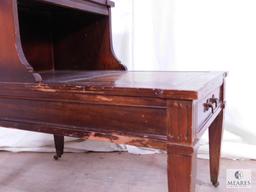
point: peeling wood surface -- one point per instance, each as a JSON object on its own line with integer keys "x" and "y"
{"x": 149, "y": 141}
{"x": 121, "y": 139}
{"x": 177, "y": 85}
{"x": 85, "y": 91}
{"x": 174, "y": 85}
{"x": 44, "y": 88}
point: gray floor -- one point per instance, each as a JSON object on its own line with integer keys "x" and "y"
{"x": 101, "y": 172}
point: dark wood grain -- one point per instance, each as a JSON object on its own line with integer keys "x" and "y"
{"x": 182, "y": 85}
{"x": 59, "y": 75}
{"x": 181, "y": 168}
{"x": 59, "y": 145}
{"x": 13, "y": 64}
{"x": 215, "y": 136}
{"x": 87, "y": 116}
{"x": 55, "y": 37}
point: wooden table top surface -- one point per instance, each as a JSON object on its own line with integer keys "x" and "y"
{"x": 191, "y": 84}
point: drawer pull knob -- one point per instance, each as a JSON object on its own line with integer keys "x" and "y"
{"x": 208, "y": 106}
{"x": 214, "y": 100}
{"x": 211, "y": 103}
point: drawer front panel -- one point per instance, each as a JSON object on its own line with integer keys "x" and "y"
{"x": 207, "y": 107}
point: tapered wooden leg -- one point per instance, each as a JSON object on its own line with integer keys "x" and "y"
{"x": 181, "y": 168}
{"x": 59, "y": 146}
{"x": 215, "y": 136}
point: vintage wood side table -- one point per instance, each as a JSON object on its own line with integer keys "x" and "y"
{"x": 59, "y": 75}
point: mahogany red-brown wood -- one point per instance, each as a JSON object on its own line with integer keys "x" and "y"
{"x": 59, "y": 75}
{"x": 215, "y": 136}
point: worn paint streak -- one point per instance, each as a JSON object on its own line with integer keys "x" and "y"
{"x": 43, "y": 88}
{"x": 102, "y": 98}
{"x": 120, "y": 139}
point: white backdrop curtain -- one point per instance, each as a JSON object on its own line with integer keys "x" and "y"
{"x": 202, "y": 35}
{"x": 184, "y": 35}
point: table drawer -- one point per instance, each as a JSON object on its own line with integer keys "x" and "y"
{"x": 208, "y": 106}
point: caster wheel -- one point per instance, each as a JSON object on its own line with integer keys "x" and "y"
{"x": 216, "y": 184}
{"x": 56, "y": 157}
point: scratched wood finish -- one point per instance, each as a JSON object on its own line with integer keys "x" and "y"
{"x": 88, "y": 116}
{"x": 59, "y": 75}
{"x": 88, "y": 108}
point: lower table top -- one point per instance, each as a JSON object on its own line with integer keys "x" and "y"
{"x": 114, "y": 104}
{"x": 187, "y": 85}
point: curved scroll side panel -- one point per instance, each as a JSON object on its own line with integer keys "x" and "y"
{"x": 13, "y": 64}
{"x": 107, "y": 54}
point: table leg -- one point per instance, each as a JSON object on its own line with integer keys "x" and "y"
{"x": 215, "y": 136}
{"x": 59, "y": 146}
{"x": 181, "y": 168}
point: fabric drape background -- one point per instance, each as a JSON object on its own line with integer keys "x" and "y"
{"x": 182, "y": 35}
{"x": 201, "y": 35}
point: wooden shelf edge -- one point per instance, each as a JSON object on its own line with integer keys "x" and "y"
{"x": 90, "y": 5}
